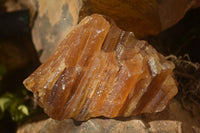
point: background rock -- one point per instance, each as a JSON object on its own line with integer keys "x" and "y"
{"x": 51, "y": 20}
{"x": 174, "y": 119}
{"x": 143, "y": 17}
{"x": 54, "y": 20}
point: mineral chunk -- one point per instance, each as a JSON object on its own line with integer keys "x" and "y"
{"x": 101, "y": 70}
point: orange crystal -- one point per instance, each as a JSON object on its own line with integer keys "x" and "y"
{"x": 101, "y": 70}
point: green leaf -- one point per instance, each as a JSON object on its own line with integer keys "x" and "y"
{"x": 14, "y": 104}
{"x": 5, "y": 101}
{"x": 23, "y": 109}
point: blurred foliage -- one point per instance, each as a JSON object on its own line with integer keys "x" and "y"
{"x": 18, "y": 59}
{"x": 16, "y": 104}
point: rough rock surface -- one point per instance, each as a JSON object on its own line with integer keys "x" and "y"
{"x": 100, "y": 70}
{"x": 174, "y": 119}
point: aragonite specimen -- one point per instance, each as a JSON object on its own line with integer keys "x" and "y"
{"x": 101, "y": 70}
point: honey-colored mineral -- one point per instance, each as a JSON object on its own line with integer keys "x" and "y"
{"x": 100, "y": 70}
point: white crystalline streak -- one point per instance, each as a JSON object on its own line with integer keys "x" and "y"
{"x": 153, "y": 67}
{"x": 63, "y": 86}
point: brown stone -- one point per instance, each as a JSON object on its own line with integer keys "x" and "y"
{"x": 174, "y": 119}
{"x": 143, "y": 17}
{"x": 101, "y": 70}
